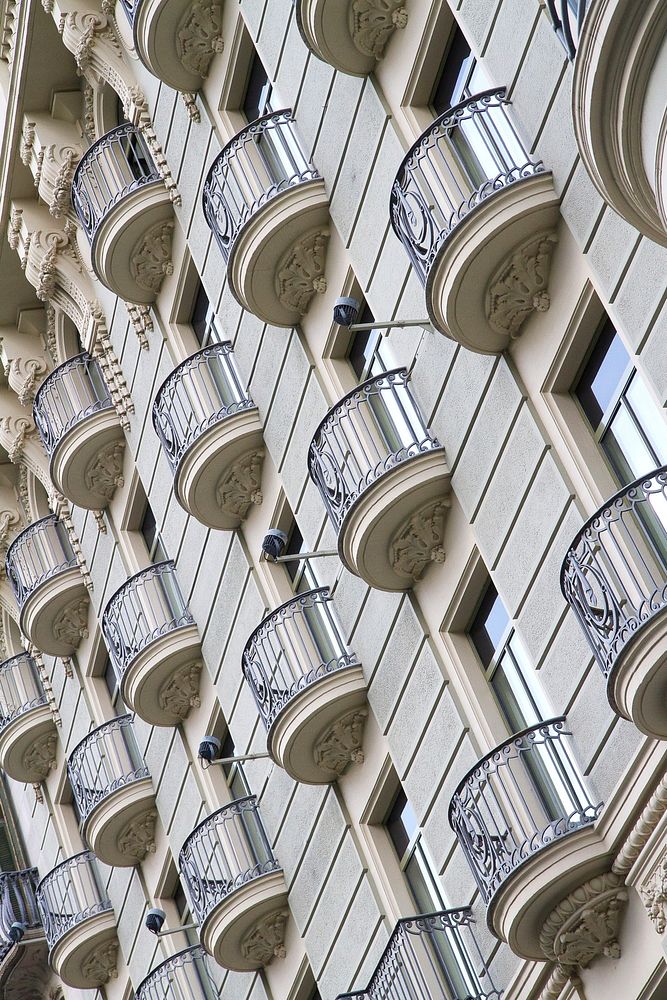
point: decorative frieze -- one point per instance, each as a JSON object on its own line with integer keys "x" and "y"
{"x": 265, "y": 941}
{"x": 181, "y": 691}
{"x": 104, "y": 474}
{"x": 519, "y": 286}
{"x": 240, "y": 486}
{"x": 71, "y": 625}
{"x": 150, "y": 260}
{"x": 419, "y": 540}
{"x": 198, "y": 36}
{"x": 137, "y": 838}
{"x": 300, "y": 273}
{"x": 584, "y": 925}
{"x": 341, "y": 744}
{"x": 373, "y": 22}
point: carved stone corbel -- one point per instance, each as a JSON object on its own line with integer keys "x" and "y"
{"x": 239, "y": 488}
{"x": 265, "y": 941}
{"x": 419, "y": 540}
{"x": 142, "y": 322}
{"x": 300, "y": 272}
{"x": 105, "y": 472}
{"x": 519, "y": 286}
{"x": 71, "y": 625}
{"x": 150, "y": 260}
{"x": 373, "y": 22}
{"x": 137, "y": 838}
{"x": 585, "y": 924}
{"x": 340, "y": 745}
{"x": 99, "y": 966}
{"x": 181, "y": 692}
{"x": 17, "y": 431}
{"x": 198, "y": 36}
{"x": 40, "y": 757}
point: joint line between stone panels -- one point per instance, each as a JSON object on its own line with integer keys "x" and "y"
{"x": 490, "y": 29}
{"x": 363, "y": 193}
{"x": 550, "y": 105}
{"x": 521, "y": 60}
{"x": 404, "y": 685}
{"x": 403, "y": 775}
{"x": 517, "y": 514}
{"x": 371, "y": 676}
{"x": 290, "y": 20}
{"x": 276, "y": 382}
{"x": 343, "y": 156}
{"x": 615, "y": 721}
{"x": 628, "y": 261}
{"x": 342, "y": 924}
{"x": 326, "y": 874}
{"x": 215, "y": 677}
{"x": 295, "y": 422}
{"x": 473, "y": 419}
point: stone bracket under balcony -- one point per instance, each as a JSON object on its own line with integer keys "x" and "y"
{"x": 121, "y": 829}
{"x": 350, "y": 37}
{"x": 85, "y": 957}
{"x": 177, "y": 39}
{"x": 247, "y": 930}
{"x": 28, "y": 745}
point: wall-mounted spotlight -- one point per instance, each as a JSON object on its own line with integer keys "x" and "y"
{"x": 275, "y": 542}
{"x": 346, "y": 312}
{"x": 155, "y": 919}
{"x": 210, "y": 748}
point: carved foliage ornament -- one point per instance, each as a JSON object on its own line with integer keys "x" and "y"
{"x": 40, "y": 757}
{"x": 372, "y": 23}
{"x": 137, "y": 838}
{"x": 654, "y": 895}
{"x": 181, "y": 692}
{"x": 100, "y": 965}
{"x": 419, "y": 540}
{"x": 585, "y": 924}
{"x": 520, "y": 286}
{"x": 150, "y": 260}
{"x": 71, "y": 625}
{"x": 198, "y": 36}
{"x": 300, "y": 273}
{"x": 340, "y": 745}
{"x": 105, "y": 472}
{"x": 265, "y": 940}
{"x": 240, "y": 486}
{"x": 19, "y": 430}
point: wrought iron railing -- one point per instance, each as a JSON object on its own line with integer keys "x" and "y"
{"x": 183, "y": 976}
{"x": 20, "y": 688}
{"x": 147, "y": 606}
{"x": 69, "y": 894}
{"x": 18, "y": 904}
{"x": 435, "y": 955}
{"x": 292, "y": 648}
{"x": 130, "y": 8}
{"x": 105, "y": 760}
{"x": 369, "y": 432}
{"x": 227, "y": 850}
{"x": 567, "y": 17}
{"x": 113, "y": 167}
{"x": 464, "y": 157}
{"x": 614, "y": 575}
{"x": 39, "y": 552}
{"x": 518, "y": 799}
{"x": 260, "y": 162}
{"x": 72, "y": 392}
{"x": 199, "y": 393}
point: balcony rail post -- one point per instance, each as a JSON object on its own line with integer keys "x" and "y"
{"x": 105, "y": 760}
{"x": 69, "y": 394}
{"x": 567, "y": 22}
{"x": 39, "y": 552}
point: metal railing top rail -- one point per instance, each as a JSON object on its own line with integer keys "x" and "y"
{"x": 19, "y": 695}
{"x": 117, "y": 164}
{"x": 239, "y": 183}
{"x": 29, "y": 564}
{"x": 520, "y": 797}
{"x": 70, "y": 893}
{"x": 568, "y": 22}
{"x": 466, "y": 155}
{"x": 278, "y": 670}
{"x": 159, "y": 984}
{"x": 403, "y": 972}
{"x": 97, "y": 767}
{"x": 614, "y": 574}
{"x": 55, "y": 412}
{"x": 176, "y": 438}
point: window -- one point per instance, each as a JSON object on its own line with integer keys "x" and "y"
{"x": 365, "y": 350}
{"x": 506, "y": 663}
{"x": 404, "y": 832}
{"x": 458, "y": 75}
{"x": 184, "y": 913}
{"x": 300, "y": 572}
{"x": 624, "y": 419}
{"x": 151, "y": 536}
{"x": 259, "y": 90}
{"x": 234, "y": 773}
{"x": 113, "y": 687}
{"x": 203, "y": 319}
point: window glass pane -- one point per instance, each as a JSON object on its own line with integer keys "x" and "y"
{"x": 489, "y": 625}
{"x": 258, "y": 92}
{"x": 510, "y": 686}
{"x": 364, "y": 350}
{"x": 452, "y": 85}
{"x": 203, "y": 319}
{"x": 626, "y": 447}
{"x": 649, "y": 417}
{"x": 602, "y": 378}
{"x": 401, "y": 824}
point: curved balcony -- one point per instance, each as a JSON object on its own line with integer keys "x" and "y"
{"x": 236, "y": 887}
{"x": 114, "y": 794}
{"x": 28, "y": 735}
{"x": 309, "y": 689}
{"x": 125, "y": 211}
{"x": 384, "y": 482}
{"x": 268, "y": 210}
{"x": 154, "y": 646}
{"x": 18, "y": 904}
{"x": 476, "y": 216}
{"x": 49, "y": 589}
{"x": 79, "y": 923}
{"x": 614, "y": 577}
{"x": 79, "y": 428}
{"x": 184, "y": 974}
{"x": 351, "y": 38}
{"x": 525, "y": 824}
{"x": 210, "y": 431}
{"x": 431, "y": 955}
{"x": 620, "y": 119}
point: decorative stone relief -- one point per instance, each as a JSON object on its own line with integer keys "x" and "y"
{"x": 24, "y": 376}
{"x": 60, "y": 196}
{"x": 137, "y": 838}
{"x": 27, "y": 142}
{"x": 654, "y": 895}
{"x": 419, "y": 540}
{"x": 92, "y": 28}
{"x": 300, "y": 273}
{"x": 150, "y": 260}
{"x": 14, "y": 227}
{"x": 9, "y": 519}
{"x": 8, "y": 31}
{"x": 18, "y": 430}
{"x": 100, "y": 965}
{"x": 142, "y": 322}
{"x": 40, "y": 757}
{"x": 585, "y": 924}
{"x": 105, "y": 472}
{"x": 240, "y": 487}
{"x": 198, "y": 36}
{"x": 71, "y": 625}
{"x": 519, "y": 286}
{"x": 190, "y": 101}
{"x": 340, "y": 745}
{"x": 265, "y": 941}
{"x": 181, "y": 692}
{"x": 88, "y": 110}
{"x": 372, "y": 23}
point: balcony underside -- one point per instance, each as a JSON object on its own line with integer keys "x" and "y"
{"x": 350, "y": 37}
{"x": 161, "y": 682}
{"x": 121, "y": 828}
{"x": 637, "y": 684}
{"x": 177, "y": 39}
{"x": 54, "y": 616}
{"x": 28, "y": 745}
{"x": 85, "y": 956}
{"x": 245, "y": 931}
{"x": 86, "y": 465}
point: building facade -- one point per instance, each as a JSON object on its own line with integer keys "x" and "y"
{"x": 334, "y": 499}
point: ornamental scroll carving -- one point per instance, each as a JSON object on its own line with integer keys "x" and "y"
{"x": 40, "y": 757}
{"x": 585, "y": 924}
{"x": 519, "y": 287}
{"x": 240, "y": 486}
{"x": 419, "y": 540}
{"x": 150, "y": 261}
{"x": 99, "y": 966}
{"x": 372, "y": 23}
{"x": 71, "y": 625}
{"x": 137, "y": 838}
{"x": 181, "y": 691}
{"x": 198, "y": 36}
{"x": 17, "y": 431}
{"x": 340, "y": 745}
{"x": 300, "y": 273}
{"x": 654, "y": 895}
{"x": 105, "y": 472}
{"x": 265, "y": 941}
